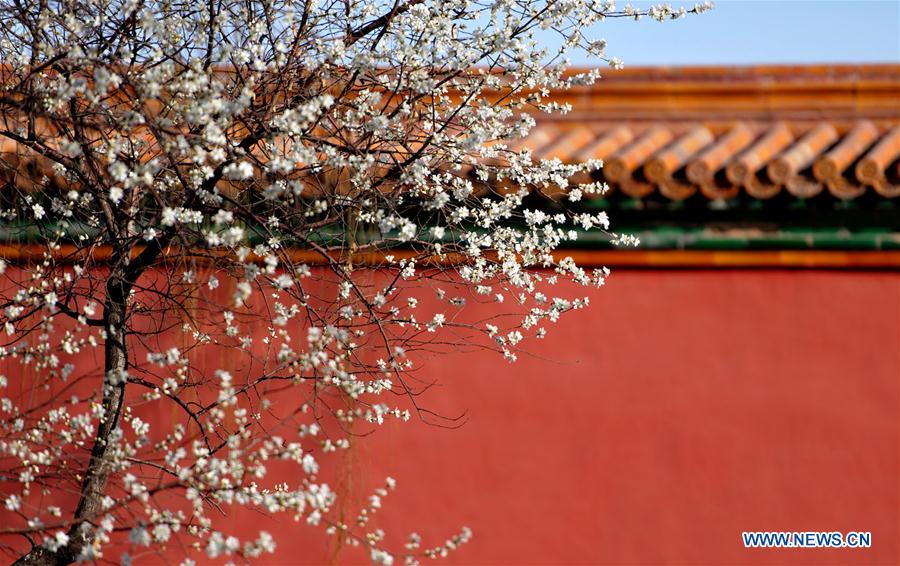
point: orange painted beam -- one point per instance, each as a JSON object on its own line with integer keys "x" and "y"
{"x": 822, "y": 259}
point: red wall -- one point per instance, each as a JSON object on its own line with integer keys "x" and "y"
{"x": 682, "y": 408}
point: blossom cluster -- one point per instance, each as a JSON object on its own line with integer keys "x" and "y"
{"x": 261, "y": 218}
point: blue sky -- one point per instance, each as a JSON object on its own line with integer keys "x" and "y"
{"x": 741, "y": 32}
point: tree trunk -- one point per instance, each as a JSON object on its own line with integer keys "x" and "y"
{"x": 94, "y": 483}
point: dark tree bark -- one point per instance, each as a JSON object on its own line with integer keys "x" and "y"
{"x": 99, "y": 466}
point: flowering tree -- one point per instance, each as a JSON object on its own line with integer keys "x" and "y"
{"x": 201, "y": 191}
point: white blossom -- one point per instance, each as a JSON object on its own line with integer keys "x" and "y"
{"x": 213, "y": 191}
